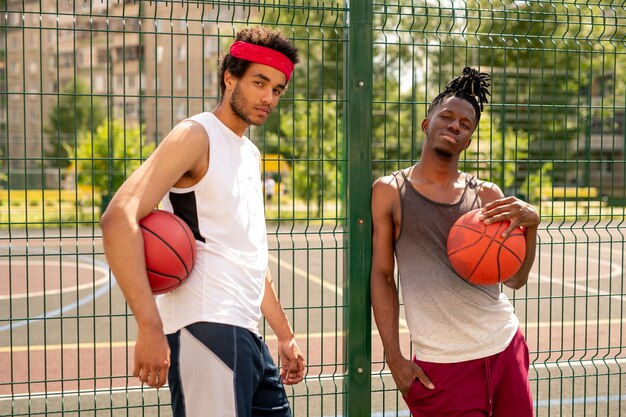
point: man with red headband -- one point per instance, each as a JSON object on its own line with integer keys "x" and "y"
{"x": 206, "y": 171}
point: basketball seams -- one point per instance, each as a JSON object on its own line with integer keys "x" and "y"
{"x": 501, "y": 245}
{"x": 176, "y": 281}
{"x": 498, "y": 233}
{"x": 482, "y": 257}
{"x": 480, "y": 234}
{"x": 469, "y": 244}
{"x": 511, "y": 251}
{"x": 174, "y": 251}
{"x": 169, "y": 250}
{"x": 164, "y": 275}
{"x": 190, "y": 237}
{"x": 470, "y": 232}
{"x": 480, "y": 230}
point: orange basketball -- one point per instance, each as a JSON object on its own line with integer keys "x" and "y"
{"x": 170, "y": 250}
{"x": 479, "y": 254}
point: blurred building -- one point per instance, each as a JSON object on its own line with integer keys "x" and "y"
{"x": 153, "y": 63}
{"x": 602, "y": 146}
{"x": 3, "y": 97}
{"x": 181, "y": 47}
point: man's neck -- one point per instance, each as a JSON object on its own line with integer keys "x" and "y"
{"x": 434, "y": 171}
{"x": 230, "y": 119}
{"x": 438, "y": 182}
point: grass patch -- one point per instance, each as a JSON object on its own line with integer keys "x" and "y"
{"x": 44, "y": 215}
{"x": 53, "y": 208}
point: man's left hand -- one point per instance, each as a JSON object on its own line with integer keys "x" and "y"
{"x": 519, "y": 212}
{"x": 292, "y": 362}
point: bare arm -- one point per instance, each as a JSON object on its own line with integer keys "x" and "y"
{"x": 385, "y": 303}
{"x": 123, "y": 242}
{"x": 520, "y": 213}
{"x": 292, "y": 361}
{"x": 520, "y": 279}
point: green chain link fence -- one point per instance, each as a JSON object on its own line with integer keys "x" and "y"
{"x": 90, "y": 88}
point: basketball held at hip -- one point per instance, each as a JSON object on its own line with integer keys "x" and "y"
{"x": 169, "y": 248}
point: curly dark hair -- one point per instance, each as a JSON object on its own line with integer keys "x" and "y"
{"x": 472, "y": 86}
{"x": 261, "y": 36}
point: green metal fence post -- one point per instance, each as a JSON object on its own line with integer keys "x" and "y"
{"x": 358, "y": 330}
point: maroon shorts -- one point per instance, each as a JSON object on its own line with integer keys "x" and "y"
{"x": 494, "y": 386}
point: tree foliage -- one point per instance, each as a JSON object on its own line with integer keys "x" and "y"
{"x": 106, "y": 157}
{"x": 307, "y": 127}
{"x": 77, "y": 111}
{"x": 313, "y": 145}
{"x": 494, "y": 154}
{"x": 3, "y": 175}
{"x": 548, "y": 61}
{"x": 545, "y": 59}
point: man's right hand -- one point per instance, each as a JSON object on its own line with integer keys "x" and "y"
{"x": 404, "y": 372}
{"x": 152, "y": 357}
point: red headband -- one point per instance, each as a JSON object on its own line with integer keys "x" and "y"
{"x": 262, "y": 55}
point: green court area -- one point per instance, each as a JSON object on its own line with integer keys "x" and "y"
{"x": 19, "y": 208}
{"x": 48, "y": 208}
{"x": 80, "y": 357}
{"x": 35, "y": 207}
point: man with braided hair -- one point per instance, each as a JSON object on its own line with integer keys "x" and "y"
{"x": 470, "y": 357}
{"x": 205, "y": 332}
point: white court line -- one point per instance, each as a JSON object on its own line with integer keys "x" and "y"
{"x": 103, "y": 289}
{"x": 139, "y": 389}
{"x": 311, "y": 277}
{"x": 319, "y": 281}
{"x": 76, "y": 393}
{"x": 586, "y": 289}
{"x": 616, "y": 271}
{"x": 131, "y": 343}
{"x": 590, "y": 290}
{"x": 538, "y": 404}
{"x": 310, "y": 335}
{"x": 327, "y": 285}
{"x": 578, "y": 363}
{"x": 92, "y": 267}
{"x": 570, "y": 323}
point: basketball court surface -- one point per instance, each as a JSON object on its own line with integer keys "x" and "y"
{"x": 70, "y": 344}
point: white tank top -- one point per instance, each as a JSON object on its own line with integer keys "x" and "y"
{"x": 226, "y": 214}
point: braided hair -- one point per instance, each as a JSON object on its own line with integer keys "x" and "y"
{"x": 472, "y": 86}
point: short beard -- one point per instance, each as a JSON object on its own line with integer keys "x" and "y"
{"x": 237, "y": 103}
{"x": 444, "y": 153}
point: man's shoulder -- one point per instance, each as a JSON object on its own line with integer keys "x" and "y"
{"x": 488, "y": 190}
{"x": 387, "y": 182}
{"x": 386, "y": 189}
{"x": 393, "y": 180}
{"x": 190, "y": 126}
{"x": 471, "y": 178}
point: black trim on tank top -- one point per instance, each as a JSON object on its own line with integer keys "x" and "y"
{"x": 185, "y": 207}
{"x": 470, "y": 182}
{"x": 401, "y": 191}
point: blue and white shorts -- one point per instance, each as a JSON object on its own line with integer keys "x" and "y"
{"x": 223, "y": 370}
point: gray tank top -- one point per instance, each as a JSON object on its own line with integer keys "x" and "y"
{"x": 450, "y": 319}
